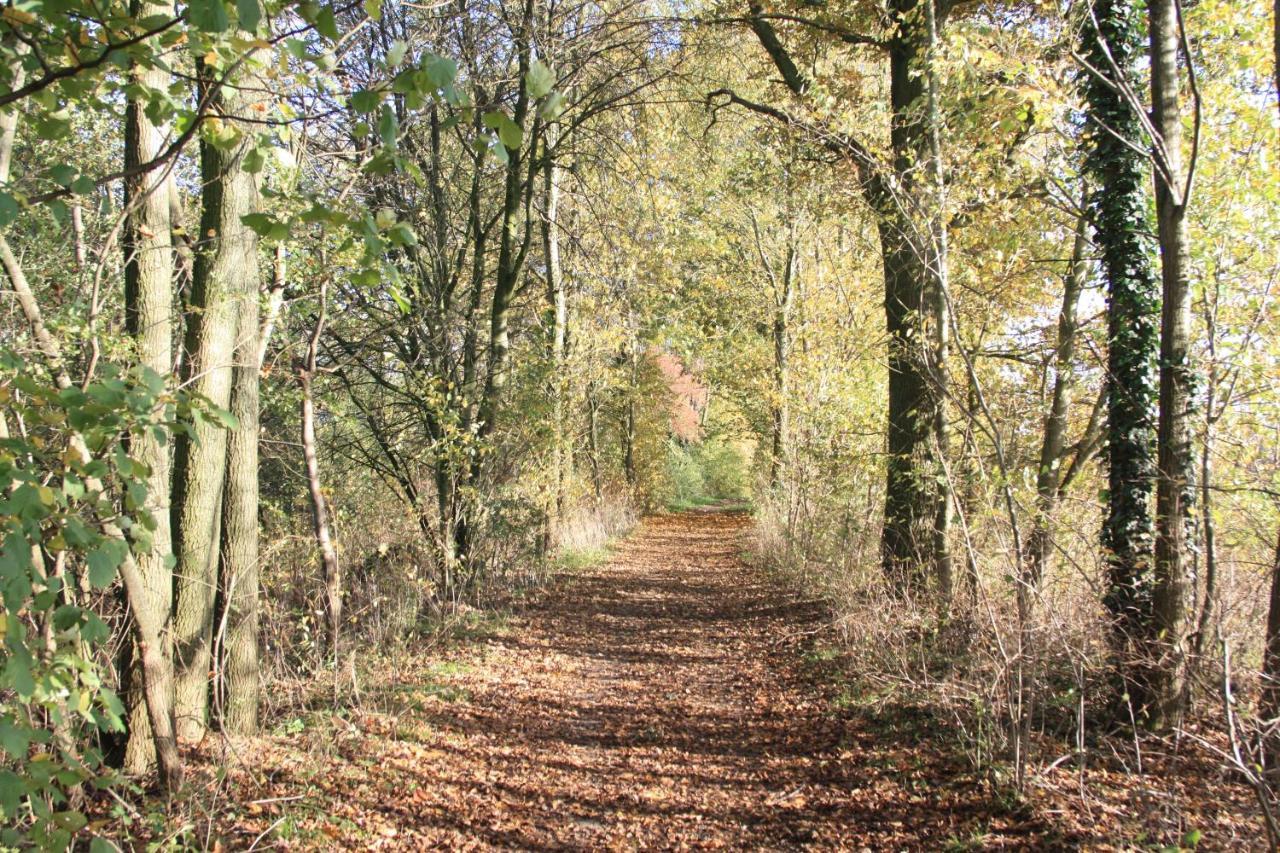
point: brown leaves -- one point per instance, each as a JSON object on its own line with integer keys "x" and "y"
{"x": 644, "y": 706}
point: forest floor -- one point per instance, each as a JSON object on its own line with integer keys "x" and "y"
{"x": 669, "y": 698}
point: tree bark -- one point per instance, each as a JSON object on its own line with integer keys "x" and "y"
{"x": 239, "y": 571}
{"x": 1053, "y": 445}
{"x": 1112, "y": 45}
{"x": 319, "y": 505}
{"x": 148, "y": 284}
{"x": 1269, "y": 706}
{"x": 558, "y": 300}
{"x": 149, "y": 630}
{"x": 1175, "y": 490}
{"x": 784, "y": 298}
{"x": 225, "y": 260}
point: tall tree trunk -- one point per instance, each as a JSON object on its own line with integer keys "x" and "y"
{"x": 907, "y": 197}
{"x": 319, "y": 505}
{"x": 593, "y": 442}
{"x": 239, "y": 572}
{"x": 148, "y": 285}
{"x": 558, "y": 299}
{"x": 1175, "y": 489}
{"x": 1118, "y": 206}
{"x": 629, "y": 417}
{"x": 225, "y": 260}
{"x": 913, "y": 248}
{"x": 783, "y": 303}
{"x": 1048, "y": 476}
{"x": 149, "y": 629}
{"x": 1269, "y": 706}
{"x": 512, "y": 243}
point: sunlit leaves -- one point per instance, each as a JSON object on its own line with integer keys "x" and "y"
{"x": 539, "y": 80}
{"x": 509, "y": 133}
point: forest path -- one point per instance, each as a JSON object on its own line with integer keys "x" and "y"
{"x": 659, "y": 701}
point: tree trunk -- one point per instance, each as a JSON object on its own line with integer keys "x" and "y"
{"x": 149, "y": 630}
{"x": 1118, "y": 207}
{"x": 1175, "y": 490}
{"x": 913, "y": 248}
{"x": 1269, "y": 706}
{"x": 558, "y": 299}
{"x": 319, "y": 506}
{"x": 593, "y": 442}
{"x": 1048, "y": 476}
{"x": 783, "y": 302}
{"x": 239, "y": 573}
{"x": 225, "y": 260}
{"x": 148, "y": 285}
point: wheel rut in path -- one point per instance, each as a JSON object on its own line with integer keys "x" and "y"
{"x": 660, "y": 701}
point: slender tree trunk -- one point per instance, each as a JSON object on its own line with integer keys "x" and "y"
{"x": 1039, "y": 544}
{"x": 593, "y": 442}
{"x": 225, "y": 260}
{"x": 783, "y": 303}
{"x": 1269, "y": 706}
{"x": 1204, "y": 623}
{"x": 148, "y": 285}
{"x": 629, "y": 417}
{"x": 1175, "y": 485}
{"x": 557, "y": 297}
{"x": 512, "y": 246}
{"x": 1052, "y": 447}
{"x": 1119, "y": 211}
{"x": 320, "y": 506}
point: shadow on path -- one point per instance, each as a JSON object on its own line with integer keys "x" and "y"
{"x": 657, "y": 702}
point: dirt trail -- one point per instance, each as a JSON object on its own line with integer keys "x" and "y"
{"x": 656, "y": 702}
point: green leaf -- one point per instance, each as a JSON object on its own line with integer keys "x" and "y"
{"x": 254, "y": 160}
{"x": 267, "y": 227}
{"x": 224, "y": 418}
{"x": 396, "y": 53}
{"x": 8, "y": 209}
{"x": 388, "y": 127}
{"x": 209, "y": 16}
{"x": 327, "y": 24}
{"x": 18, "y": 673}
{"x": 104, "y": 560}
{"x": 12, "y": 790}
{"x": 539, "y": 80}
{"x": 250, "y": 14}
{"x": 509, "y": 132}
{"x": 83, "y": 185}
{"x": 14, "y": 739}
{"x": 553, "y": 107}
{"x": 366, "y": 100}
{"x": 441, "y": 70}
{"x": 63, "y": 174}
